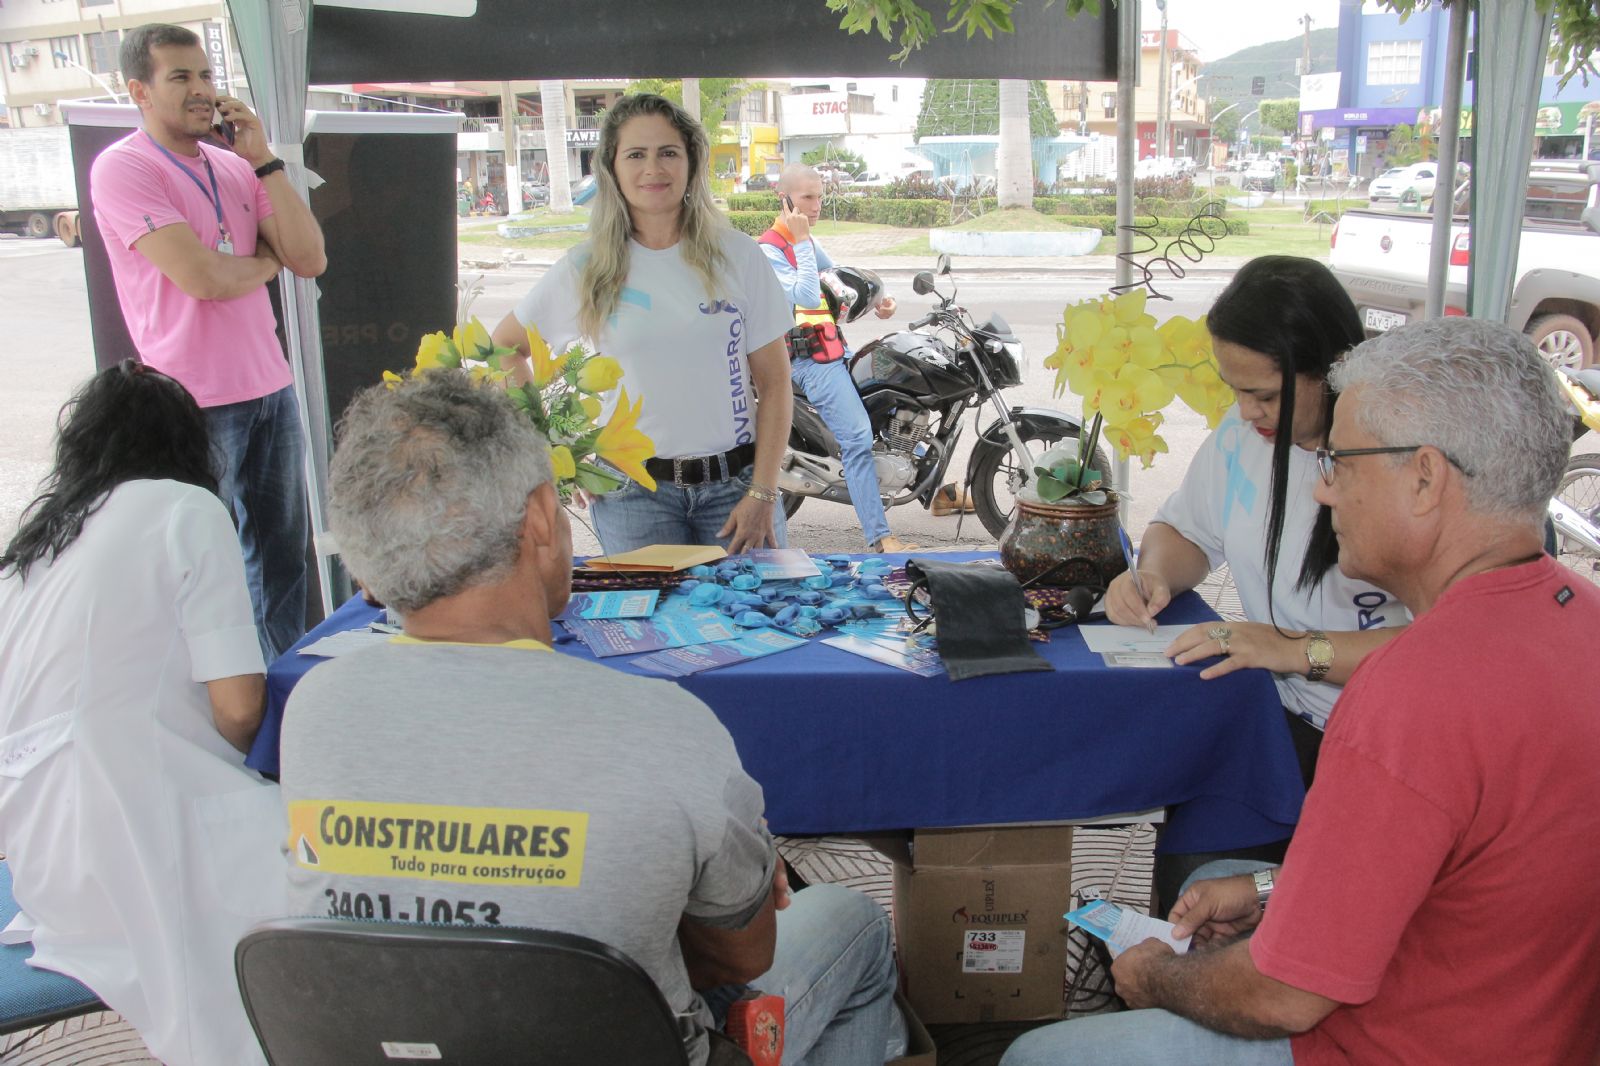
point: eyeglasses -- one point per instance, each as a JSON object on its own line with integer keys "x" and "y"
{"x": 1326, "y": 457}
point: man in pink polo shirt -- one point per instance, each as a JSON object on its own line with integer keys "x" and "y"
{"x": 194, "y": 233}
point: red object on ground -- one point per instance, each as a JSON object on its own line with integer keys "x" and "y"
{"x": 755, "y": 1023}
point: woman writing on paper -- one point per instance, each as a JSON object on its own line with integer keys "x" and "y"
{"x": 690, "y": 309}
{"x": 1246, "y": 501}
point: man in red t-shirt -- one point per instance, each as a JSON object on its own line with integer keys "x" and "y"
{"x": 1436, "y": 903}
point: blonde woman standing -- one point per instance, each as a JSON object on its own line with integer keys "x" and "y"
{"x": 692, "y": 311}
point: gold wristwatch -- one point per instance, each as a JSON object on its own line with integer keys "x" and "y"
{"x": 1319, "y": 654}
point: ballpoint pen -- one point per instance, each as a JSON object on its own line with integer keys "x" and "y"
{"x": 1133, "y": 569}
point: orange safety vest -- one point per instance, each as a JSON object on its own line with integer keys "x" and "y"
{"x": 816, "y": 332}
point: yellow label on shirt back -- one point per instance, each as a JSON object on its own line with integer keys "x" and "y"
{"x": 466, "y": 845}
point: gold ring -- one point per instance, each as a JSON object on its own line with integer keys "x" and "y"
{"x": 1219, "y": 633}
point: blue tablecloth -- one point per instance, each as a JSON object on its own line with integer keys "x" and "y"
{"x": 842, "y": 744}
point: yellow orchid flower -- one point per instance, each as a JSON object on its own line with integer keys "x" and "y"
{"x": 391, "y": 380}
{"x": 1137, "y": 344}
{"x": 1080, "y": 352}
{"x": 1128, "y": 309}
{"x": 545, "y": 365}
{"x": 622, "y": 445}
{"x": 591, "y": 407}
{"x": 1138, "y": 437}
{"x": 1131, "y": 393}
{"x": 435, "y": 351}
{"x": 472, "y": 340}
{"x": 562, "y": 463}
{"x": 599, "y": 374}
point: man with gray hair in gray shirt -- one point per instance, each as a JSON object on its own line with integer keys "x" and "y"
{"x": 465, "y": 773}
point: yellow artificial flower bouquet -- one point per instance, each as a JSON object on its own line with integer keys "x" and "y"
{"x": 562, "y": 401}
{"x": 1111, "y": 353}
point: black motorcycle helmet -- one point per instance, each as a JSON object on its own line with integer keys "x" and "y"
{"x": 856, "y": 290}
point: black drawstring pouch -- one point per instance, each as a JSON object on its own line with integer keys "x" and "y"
{"x": 979, "y": 614}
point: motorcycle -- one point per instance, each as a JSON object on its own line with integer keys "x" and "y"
{"x": 917, "y": 386}
{"x": 1575, "y": 509}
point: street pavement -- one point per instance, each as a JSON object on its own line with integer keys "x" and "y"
{"x": 50, "y": 352}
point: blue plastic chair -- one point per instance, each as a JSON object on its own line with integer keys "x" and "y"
{"x": 31, "y": 998}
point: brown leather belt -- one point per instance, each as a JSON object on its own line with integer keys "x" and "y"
{"x": 700, "y": 469}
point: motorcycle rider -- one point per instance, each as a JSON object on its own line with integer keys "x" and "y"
{"x": 798, "y": 260}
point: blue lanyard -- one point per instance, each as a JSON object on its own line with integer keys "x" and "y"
{"x": 213, "y": 195}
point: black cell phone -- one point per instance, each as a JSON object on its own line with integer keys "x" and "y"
{"x": 224, "y": 130}
{"x": 788, "y": 202}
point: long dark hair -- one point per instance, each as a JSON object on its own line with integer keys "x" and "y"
{"x": 1294, "y": 312}
{"x": 128, "y": 423}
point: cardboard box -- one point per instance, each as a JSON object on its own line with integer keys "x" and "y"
{"x": 919, "y": 1045}
{"x": 977, "y": 916}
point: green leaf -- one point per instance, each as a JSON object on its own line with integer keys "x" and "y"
{"x": 593, "y": 479}
{"x": 1092, "y": 496}
{"x": 1050, "y": 490}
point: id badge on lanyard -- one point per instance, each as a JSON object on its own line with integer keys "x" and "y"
{"x": 213, "y": 196}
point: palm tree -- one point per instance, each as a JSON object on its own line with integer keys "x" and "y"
{"x": 553, "y": 100}
{"x": 1014, "y": 160}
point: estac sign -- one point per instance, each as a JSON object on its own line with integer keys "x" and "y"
{"x": 816, "y": 114}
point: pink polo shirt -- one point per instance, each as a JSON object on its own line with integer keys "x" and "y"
{"x": 223, "y": 351}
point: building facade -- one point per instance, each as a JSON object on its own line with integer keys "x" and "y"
{"x": 1390, "y": 83}
{"x": 1090, "y": 108}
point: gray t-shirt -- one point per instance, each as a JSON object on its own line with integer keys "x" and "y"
{"x": 509, "y": 785}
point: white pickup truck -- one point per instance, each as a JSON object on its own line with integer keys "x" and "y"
{"x": 1381, "y": 259}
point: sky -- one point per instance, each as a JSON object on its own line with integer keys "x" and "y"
{"x": 1219, "y": 28}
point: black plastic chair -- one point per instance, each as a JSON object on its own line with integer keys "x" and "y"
{"x": 335, "y": 992}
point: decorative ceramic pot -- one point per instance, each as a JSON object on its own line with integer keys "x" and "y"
{"x": 1063, "y": 544}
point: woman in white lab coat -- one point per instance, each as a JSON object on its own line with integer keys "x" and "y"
{"x": 131, "y": 683}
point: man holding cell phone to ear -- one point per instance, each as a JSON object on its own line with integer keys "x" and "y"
{"x": 798, "y": 260}
{"x": 198, "y": 216}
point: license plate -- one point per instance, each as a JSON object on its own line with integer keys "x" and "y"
{"x": 1384, "y": 320}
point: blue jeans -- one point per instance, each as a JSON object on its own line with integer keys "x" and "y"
{"x": 834, "y": 968}
{"x": 634, "y": 517}
{"x": 832, "y": 392}
{"x": 1149, "y": 1037}
{"x": 259, "y": 451}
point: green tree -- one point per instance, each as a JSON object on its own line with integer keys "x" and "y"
{"x": 1577, "y": 23}
{"x": 1224, "y": 127}
{"x": 1407, "y": 146}
{"x": 972, "y": 106}
{"x": 715, "y": 96}
{"x": 910, "y": 24}
{"x": 842, "y": 158}
{"x": 1280, "y": 115}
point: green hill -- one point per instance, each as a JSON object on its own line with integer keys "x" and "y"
{"x": 1227, "y": 80}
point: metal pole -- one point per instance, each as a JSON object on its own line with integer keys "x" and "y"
{"x": 1163, "y": 77}
{"x": 1127, "y": 79}
{"x": 513, "y": 148}
{"x": 1455, "y": 62}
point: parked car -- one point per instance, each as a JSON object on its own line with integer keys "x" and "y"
{"x": 1261, "y": 174}
{"x": 1397, "y": 181}
{"x": 534, "y": 194}
{"x": 1381, "y": 258}
{"x": 758, "y": 183}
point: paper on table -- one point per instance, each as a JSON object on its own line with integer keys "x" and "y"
{"x": 659, "y": 558}
{"x": 1122, "y": 928}
{"x": 344, "y": 643}
{"x": 1106, "y": 637}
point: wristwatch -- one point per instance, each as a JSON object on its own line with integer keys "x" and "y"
{"x": 1265, "y": 882}
{"x": 1319, "y": 654}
